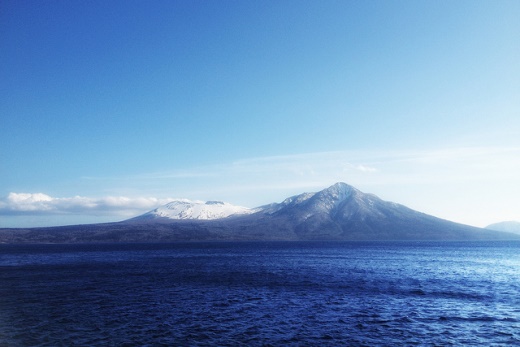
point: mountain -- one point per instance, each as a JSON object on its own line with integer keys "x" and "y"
{"x": 342, "y": 212}
{"x": 186, "y": 209}
{"x": 509, "y": 226}
{"x": 339, "y": 213}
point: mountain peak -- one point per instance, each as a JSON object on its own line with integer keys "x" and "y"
{"x": 330, "y": 198}
{"x": 340, "y": 185}
{"x": 324, "y": 200}
{"x": 187, "y": 209}
{"x": 339, "y": 190}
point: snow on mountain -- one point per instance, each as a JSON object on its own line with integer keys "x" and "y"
{"x": 340, "y": 212}
{"x": 187, "y": 209}
{"x": 287, "y": 203}
{"x": 321, "y": 202}
{"x": 330, "y": 198}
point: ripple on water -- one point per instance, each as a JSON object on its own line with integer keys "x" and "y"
{"x": 324, "y": 295}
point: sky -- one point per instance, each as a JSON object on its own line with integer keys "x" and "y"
{"x": 109, "y": 109}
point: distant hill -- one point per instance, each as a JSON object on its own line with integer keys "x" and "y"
{"x": 340, "y": 212}
{"x": 510, "y": 227}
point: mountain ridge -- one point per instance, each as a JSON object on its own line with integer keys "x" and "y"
{"x": 337, "y": 213}
{"x": 188, "y": 210}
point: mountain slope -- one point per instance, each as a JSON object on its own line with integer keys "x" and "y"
{"x": 509, "y": 226}
{"x": 186, "y": 209}
{"x": 340, "y": 212}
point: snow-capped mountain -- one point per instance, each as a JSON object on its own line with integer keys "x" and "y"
{"x": 327, "y": 201}
{"x": 340, "y": 213}
{"x": 200, "y": 210}
{"x": 343, "y": 212}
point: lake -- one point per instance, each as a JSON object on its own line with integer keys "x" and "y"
{"x": 261, "y": 294}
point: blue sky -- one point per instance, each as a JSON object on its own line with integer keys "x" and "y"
{"x": 110, "y": 108}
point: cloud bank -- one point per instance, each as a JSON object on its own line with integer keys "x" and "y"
{"x": 39, "y": 203}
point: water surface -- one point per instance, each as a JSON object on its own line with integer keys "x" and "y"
{"x": 268, "y": 293}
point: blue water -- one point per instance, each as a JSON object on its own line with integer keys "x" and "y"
{"x": 256, "y": 294}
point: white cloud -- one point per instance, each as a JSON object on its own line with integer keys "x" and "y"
{"x": 39, "y": 203}
{"x": 254, "y": 181}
